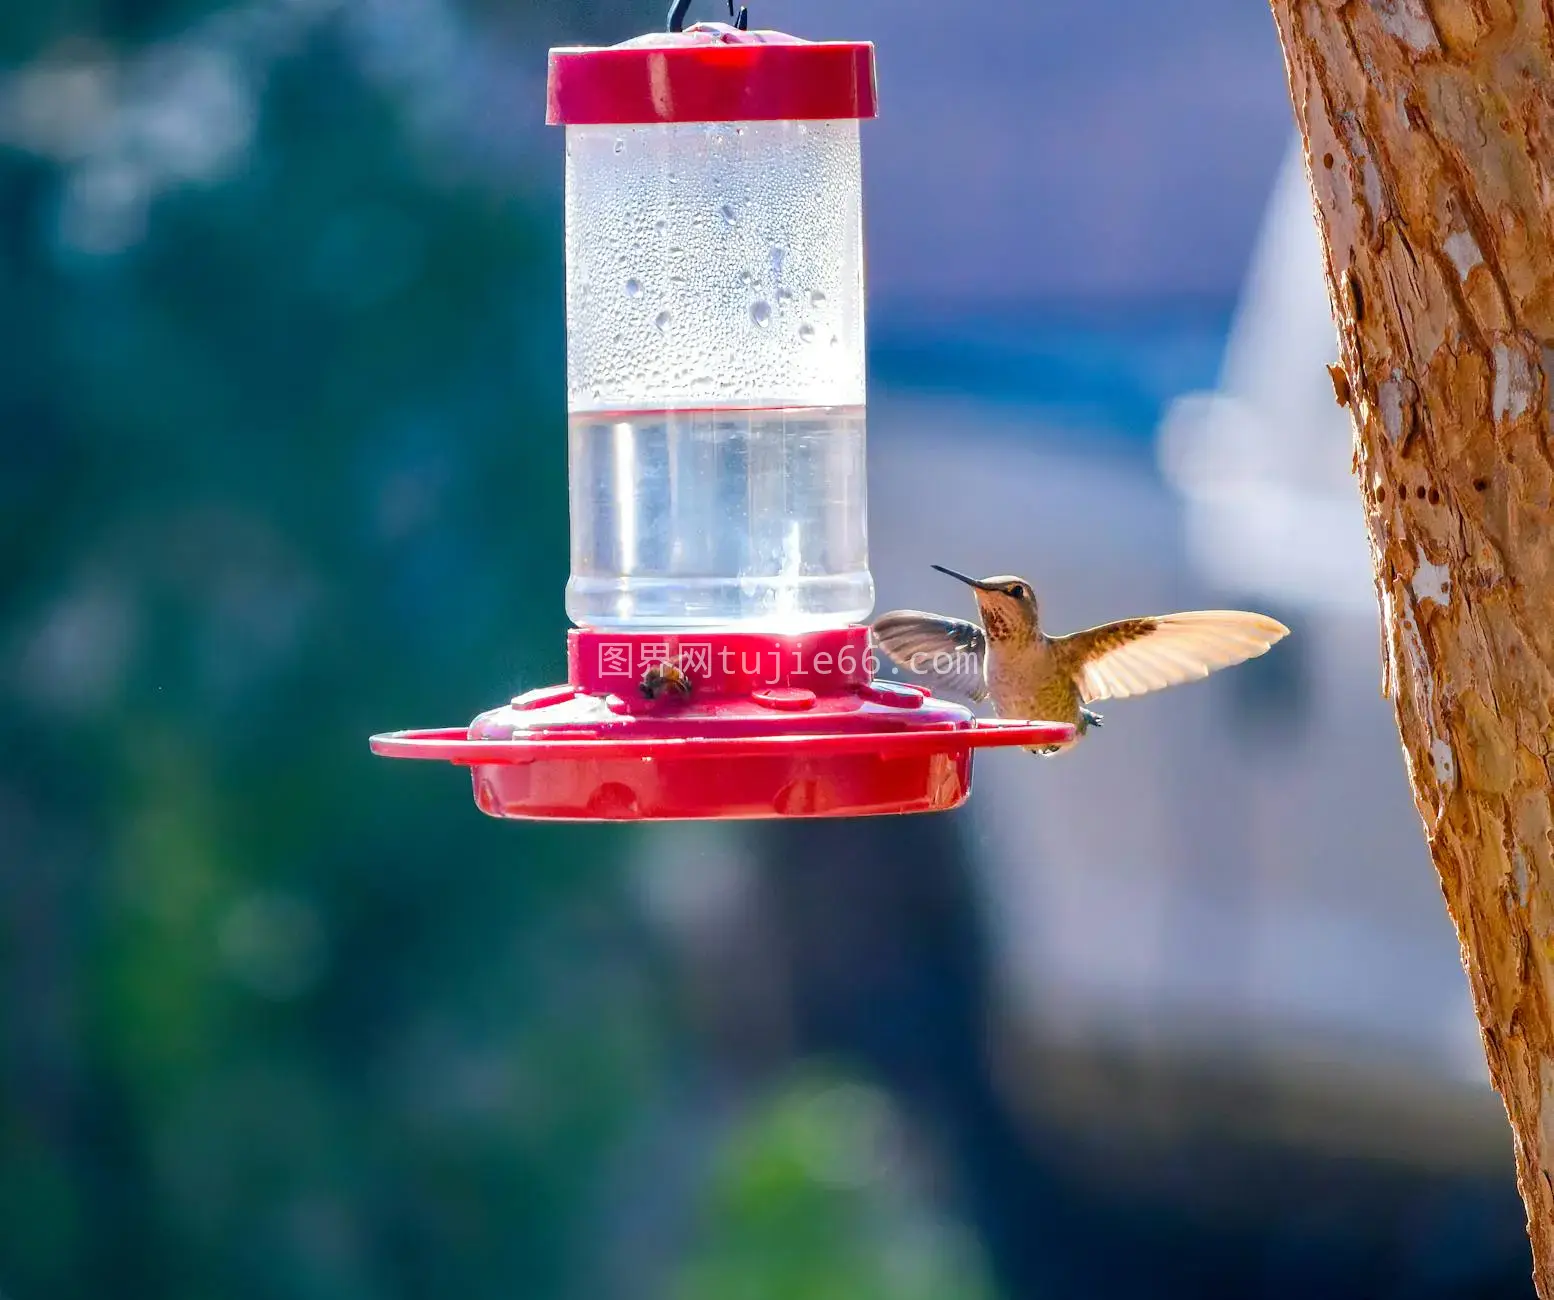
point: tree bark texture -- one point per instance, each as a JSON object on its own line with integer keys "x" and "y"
{"x": 1429, "y": 132}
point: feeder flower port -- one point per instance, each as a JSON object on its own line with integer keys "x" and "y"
{"x": 720, "y": 663}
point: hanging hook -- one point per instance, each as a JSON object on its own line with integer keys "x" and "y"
{"x": 678, "y": 9}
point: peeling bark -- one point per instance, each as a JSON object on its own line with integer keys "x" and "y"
{"x": 1429, "y": 133}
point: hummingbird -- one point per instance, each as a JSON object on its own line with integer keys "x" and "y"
{"x": 1029, "y": 674}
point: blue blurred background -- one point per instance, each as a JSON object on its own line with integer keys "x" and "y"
{"x": 284, "y": 465}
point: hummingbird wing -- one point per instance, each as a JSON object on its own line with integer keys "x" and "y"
{"x": 949, "y": 651}
{"x": 1139, "y": 655}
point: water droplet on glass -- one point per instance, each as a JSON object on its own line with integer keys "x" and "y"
{"x": 761, "y": 313}
{"x": 620, "y": 146}
{"x": 677, "y": 279}
{"x": 778, "y": 256}
{"x": 729, "y": 214}
{"x": 661, "y": 225}
{"x": 807, "y": 333}
{"x": 835, "y": 342}
{"x": 746, "y": 279}
{"x": 633, "y": 288}
{"x": 661, "y": 321}
{"x": 784, "y": 295}
{"x": 816, "y": 298}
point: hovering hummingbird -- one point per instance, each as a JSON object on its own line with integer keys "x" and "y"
{"x": 1029, "y": 674}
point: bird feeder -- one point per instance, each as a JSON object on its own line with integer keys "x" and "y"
{"x": 719, "y": 665}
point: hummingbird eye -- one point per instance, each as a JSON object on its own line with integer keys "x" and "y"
{"x": 1017, "y": 591}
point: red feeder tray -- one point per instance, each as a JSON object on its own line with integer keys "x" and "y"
{"x": 771, "y": 726}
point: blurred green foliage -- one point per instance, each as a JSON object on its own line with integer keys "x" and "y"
{"x": 799, "y": 1206}
{"x": 285, "y": 467}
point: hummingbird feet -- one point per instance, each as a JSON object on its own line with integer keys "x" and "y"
{"x": 1087, "y": 719}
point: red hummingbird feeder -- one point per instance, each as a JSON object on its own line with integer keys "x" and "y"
{"x": 720, "y": 664}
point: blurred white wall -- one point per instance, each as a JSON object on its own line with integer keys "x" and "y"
{"x": 1263, "y": 462}
{"x": 1238, "y": 859}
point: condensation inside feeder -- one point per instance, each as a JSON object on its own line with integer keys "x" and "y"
{"x": 716, "y": 376}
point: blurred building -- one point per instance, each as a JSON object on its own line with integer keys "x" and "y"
{"x": 1236, "y": 865}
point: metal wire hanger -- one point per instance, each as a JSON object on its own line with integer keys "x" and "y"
{"x": 677, "y": 12}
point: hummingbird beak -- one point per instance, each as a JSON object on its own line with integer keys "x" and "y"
{"x": 961, "y": 577}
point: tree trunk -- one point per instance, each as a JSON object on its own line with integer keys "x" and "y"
{"x": 1429, "y": 132}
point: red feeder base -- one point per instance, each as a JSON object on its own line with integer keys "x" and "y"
{"x": 744, "y": 725}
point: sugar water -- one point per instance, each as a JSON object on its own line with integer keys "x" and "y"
{"x": 718, "y": 517}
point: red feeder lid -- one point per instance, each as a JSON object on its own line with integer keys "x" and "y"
{"x": 759, "y": 726}
{"x": 712, "y": 72}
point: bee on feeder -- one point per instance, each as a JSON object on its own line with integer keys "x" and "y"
{"x": 663, "y": 679}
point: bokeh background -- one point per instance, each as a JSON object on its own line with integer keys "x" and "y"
{"x": 282, "y": 464}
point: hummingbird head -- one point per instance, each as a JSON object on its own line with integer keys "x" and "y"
{"x": 1007, "y": 604}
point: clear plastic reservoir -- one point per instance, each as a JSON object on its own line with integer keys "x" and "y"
{"x": 716, "y": 375}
